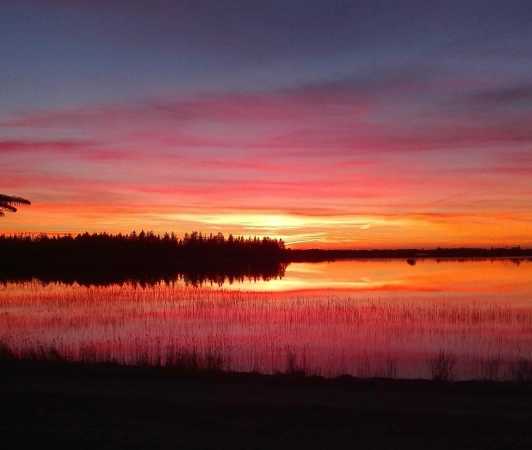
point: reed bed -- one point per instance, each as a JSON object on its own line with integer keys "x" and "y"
{"x": 325, "y": 333}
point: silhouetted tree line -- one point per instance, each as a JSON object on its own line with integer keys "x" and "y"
{"x": 195, "y": 258}
{"x": 144, "y": 257}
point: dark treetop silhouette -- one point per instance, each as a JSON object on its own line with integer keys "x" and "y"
{"x": 8, "y": 202}
{"x": 196, "y": 258}
{"x": 143, "y": 257}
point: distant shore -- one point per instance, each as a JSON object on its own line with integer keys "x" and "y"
{"x": 462, "y": 253}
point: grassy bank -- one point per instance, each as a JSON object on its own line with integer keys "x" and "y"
{"x": 59, "y": 404}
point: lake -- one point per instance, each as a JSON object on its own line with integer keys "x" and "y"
{"x": 373, "y": 318}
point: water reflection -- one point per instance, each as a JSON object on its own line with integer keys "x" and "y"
{"x": 191, "y": 275}
{"x": 497, "y": 278}
{"x": 365, "y": 318}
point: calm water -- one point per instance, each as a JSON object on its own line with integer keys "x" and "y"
{"x": 365, "y": 318}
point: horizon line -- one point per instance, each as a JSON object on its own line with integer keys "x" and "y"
{"x": 430, "y": 247}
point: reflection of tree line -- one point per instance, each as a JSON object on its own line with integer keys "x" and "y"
{"x": 144, "y": 257}
{"x": 195, "y": 259}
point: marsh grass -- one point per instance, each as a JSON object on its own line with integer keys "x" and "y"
{"x": 6, "y": 354}
{"x": 181, "y": 360}
{"x": 521, "y": 370}
{"x": 442, "y": 366}
{"x": 296, "y": 365}
{"x": 216, "y": 329}
{"x": 491, "y": 368}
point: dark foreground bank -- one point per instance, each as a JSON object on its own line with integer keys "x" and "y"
{"x": 48, "y": 405}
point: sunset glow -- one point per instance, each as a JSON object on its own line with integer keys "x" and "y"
{"x": 266, "y": 224}
{"x": 337, "y": 140}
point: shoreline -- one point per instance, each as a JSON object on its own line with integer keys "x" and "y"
{"x": 61, "y": 367}
{"x": 103, "y": 406}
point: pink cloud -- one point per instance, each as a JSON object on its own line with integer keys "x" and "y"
{"x": 87, "y": 150}
{"x": 341, "y": 118}
{"x": 329, "y": 149}
{"x": 282, "y": 105}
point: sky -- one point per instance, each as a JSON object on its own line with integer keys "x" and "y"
{"x": 338, "y": 124}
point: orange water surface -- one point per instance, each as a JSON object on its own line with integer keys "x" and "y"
{"x": 364, "y": 318}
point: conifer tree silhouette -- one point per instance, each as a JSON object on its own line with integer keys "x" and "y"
{"x": 8, "y": 202}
